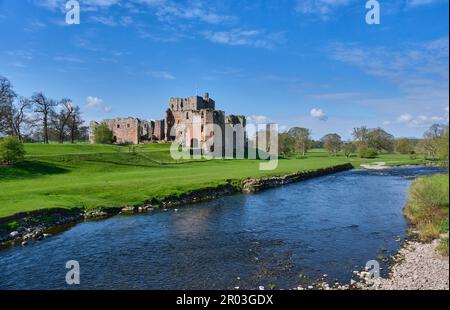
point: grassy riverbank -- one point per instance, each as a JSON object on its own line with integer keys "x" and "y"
{"x": 94, "y": 176}
{"x": 428, "y": 208}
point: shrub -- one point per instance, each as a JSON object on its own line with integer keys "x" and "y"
{"x": 11, "y": 150}
{"x": 11, "y": 226}
{"x": 443, "y": 247}
{"x": 367, "y": 152}
{"x": 103, "y": 135}
{"x": 428, "y": 204}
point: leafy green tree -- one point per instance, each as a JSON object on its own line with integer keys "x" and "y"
{"x": 375, "y": 138}
{"x": 404, "y": 146}
{"x": 443, "y": 146}
{"x": 360, "y": 135}
{"x": 103, "y": 135}
{"x": 380, "y": 140}
{"x": 367, "y": 152}
{"x": 332, "y": 143}
{"x": 11, "y": 150}
{"x": 286, "y": 143}
{"x": 302, "y": 138}
{"x": 433, "y": 142}
{"x": 349, "y": 148}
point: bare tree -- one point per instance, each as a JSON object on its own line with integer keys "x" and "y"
{"x": 44, "y": 106}
{"x": 20, "y": 116}
{"x": 360, "y": 135}
{"x": 7, "y": 96}
{"x": 60, "y": 120}
{"x": 74, "y": 124}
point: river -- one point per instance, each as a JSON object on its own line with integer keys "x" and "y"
{"x": 278, "y": 238}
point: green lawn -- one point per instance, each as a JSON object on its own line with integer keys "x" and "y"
{"x": 92, "y": 176}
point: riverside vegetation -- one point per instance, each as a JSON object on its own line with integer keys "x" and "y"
{"x": 428, "y": 209}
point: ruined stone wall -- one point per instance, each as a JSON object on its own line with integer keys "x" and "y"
{"x": 159, "y": 130}
{"x": 125, "y": 131}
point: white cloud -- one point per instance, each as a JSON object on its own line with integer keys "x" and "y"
{"x": 172, "y": 11}
{"x": 85, "y": 5}
{"x": 97, "y": 103}
{"x": 162, "y": 75}
{"x": 241, "y": 37}
{"x": 94, "y": 102}
{"x": 104, "y": 20}
{"x": 318, "y": 114}
{"x": 405, "y": 118}
{"x": 418, "y": 70}
{"x": 111, "y": 21}
{"x": 68, "y": 59}
{"x": 344, "y": 96}
{"x": 321, "y": 8}
{"x": 417, "y": 3}
{"x": 437, "y": 118}
{"x": 386, "y": 123}
{"x": 420, "y": 121}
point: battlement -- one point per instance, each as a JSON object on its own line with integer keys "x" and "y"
{"x": 193, "y": 103}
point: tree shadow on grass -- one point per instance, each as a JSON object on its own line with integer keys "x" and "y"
{"x": 29, "y": 169}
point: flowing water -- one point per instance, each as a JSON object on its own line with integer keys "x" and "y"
{"x": 277, "y": 238}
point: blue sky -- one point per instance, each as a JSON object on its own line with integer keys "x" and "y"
{"x": 309, "y": 63}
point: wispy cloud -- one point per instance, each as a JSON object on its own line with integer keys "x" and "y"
{"x": 418, "y": 70}
{"x": 162, "y": 75}
{"x": 321, "y": 8}
{"x": 35, "y": 25}
{"x": 240, "y": 37}
{"x": 172, "y": 11}
{"x": 342, "y": 96}
{"x": 85, "y": 5}
{"x": 420, "y": 121}
{"x": 325, "y": 9}
{"x": 111, "y": 21}
{"x": 68, "y": 59}
{"x": 417, "y": 3}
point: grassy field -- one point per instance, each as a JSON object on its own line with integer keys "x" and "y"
{"x": 94, "y": 176}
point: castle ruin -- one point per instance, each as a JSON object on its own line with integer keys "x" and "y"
{"x": 195, "y": 117}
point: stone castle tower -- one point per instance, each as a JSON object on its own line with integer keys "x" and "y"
{"x": 194, "y": 114}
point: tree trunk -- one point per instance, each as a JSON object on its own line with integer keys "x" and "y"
{"x": 45, "y": 129}
{"x": 72, "y": 134}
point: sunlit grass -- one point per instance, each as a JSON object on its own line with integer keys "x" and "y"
{"x": 92, "y": 176}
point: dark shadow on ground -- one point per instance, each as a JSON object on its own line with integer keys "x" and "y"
{"x": 29, "y": 169}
